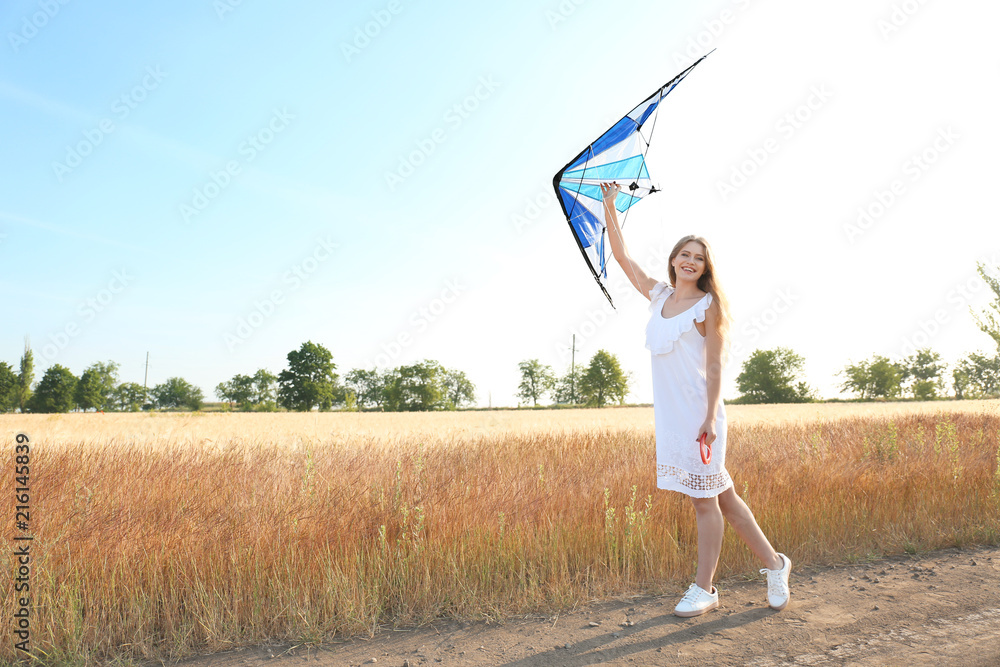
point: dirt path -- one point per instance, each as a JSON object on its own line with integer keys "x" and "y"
{"x": 942, "y": 608}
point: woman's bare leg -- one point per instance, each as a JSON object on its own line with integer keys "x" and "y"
{"x": 710, "y": 527}
{"x": 743, "y": 522}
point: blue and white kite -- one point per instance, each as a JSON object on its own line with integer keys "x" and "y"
{"x": 617, "y": 155}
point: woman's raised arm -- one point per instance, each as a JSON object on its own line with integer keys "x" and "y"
{"x": 635, "y": 274}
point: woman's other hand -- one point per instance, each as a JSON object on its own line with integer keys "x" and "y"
{"x": 707, "y": 428}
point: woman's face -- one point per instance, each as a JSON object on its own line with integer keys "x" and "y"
{"x": 689, "y": 264}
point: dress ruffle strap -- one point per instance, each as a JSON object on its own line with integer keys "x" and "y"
{"x": 662, "y": 333}
{"x": 701, "y": 308}
{"x": 659, "y": 291}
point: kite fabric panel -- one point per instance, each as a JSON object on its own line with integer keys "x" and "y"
{"x": 617, "y": 155}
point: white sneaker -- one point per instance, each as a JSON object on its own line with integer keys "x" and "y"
{"x": 697, "y": 601}
{"x": 777, "y": 584}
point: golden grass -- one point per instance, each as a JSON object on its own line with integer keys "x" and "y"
{"x": 227, "y": 429}
{"x": 161, "y": 536}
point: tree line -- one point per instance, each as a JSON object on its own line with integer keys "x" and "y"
{"x": 310, "y": 381}
{"x": 601, "y": 382}
{"x": 98, "y": 388}
{"x": 773, "y": 376}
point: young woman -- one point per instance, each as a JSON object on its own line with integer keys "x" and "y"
{"x": 686, "y": 333}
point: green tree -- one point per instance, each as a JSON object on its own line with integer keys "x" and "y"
{"x": 96, "y": 387}
{"x": 416, "y": 387}
{"x": 238, "y": 391}
{"x": 769, "y": 376}
{"x": 856, "y": 379}
{"x": 265, "y": 395}
{"x": 960, "y": 381}
{"x": 224, "y": 392}
{"x": 567, "y": 389}
{"x": 458, "y": 389}
{"x": 977, "y": 376}
{"x": 8, "y": 388}
{"x": 309, "y": 381}
{"x": 536, "y": 380}
{"x": 88, "y": 392}
{"x": 989, "y": 320}
{"x": 243, "y": 391}
{"x": 926, "y": 370}
{"x": 885, "y": 378}
{"x": 925, "y": 390}
{"x": 55, "y": 391}
{"x": 26, "y": 377}
{"x": 604, "y": 380}
{"x": 368, "y": 386}
{"x": 129, "y": 397}
{"x": 878, "y": 378}
{"x": 177, "y": 393}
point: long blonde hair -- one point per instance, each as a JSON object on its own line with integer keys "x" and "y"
{"x": 706, "y": 283}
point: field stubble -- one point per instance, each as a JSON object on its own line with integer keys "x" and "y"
{"x": 157, "y": 537}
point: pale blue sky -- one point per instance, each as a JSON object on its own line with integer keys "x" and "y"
{"x": 467, "y": 259}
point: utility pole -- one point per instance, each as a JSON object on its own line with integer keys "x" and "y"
{"x": 572, "y": 372}
{"x": 146, "y": 376}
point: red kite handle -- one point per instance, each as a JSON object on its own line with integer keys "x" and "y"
{"x": 706, "y": 449}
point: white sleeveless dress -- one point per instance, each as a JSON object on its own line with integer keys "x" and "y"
{"x": 680, "y": 400}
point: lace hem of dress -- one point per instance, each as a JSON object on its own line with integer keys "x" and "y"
{"x": 662, "y": 333}
{"x": 710, "y": 484}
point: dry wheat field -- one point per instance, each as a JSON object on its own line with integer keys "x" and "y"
{"x": 159, "y": 536}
